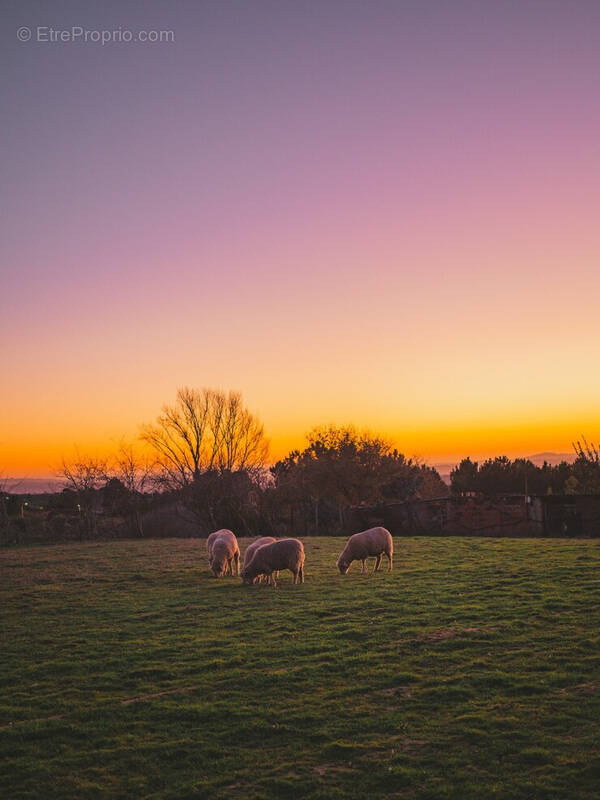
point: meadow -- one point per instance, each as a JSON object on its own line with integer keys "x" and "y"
{"x": 470, "y": 671}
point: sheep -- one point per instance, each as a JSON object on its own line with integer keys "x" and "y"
{"x": 374, "y": 542}
{"x": 223, "y": 553}
{"x": 253, "y": 547}
{"x": 209, "y": 541}
{"x": 270, "y": 558}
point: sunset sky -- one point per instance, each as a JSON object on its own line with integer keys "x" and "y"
{"x": 379, "y": 213}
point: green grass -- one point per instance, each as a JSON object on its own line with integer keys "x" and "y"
{"x": 471, "y": 671}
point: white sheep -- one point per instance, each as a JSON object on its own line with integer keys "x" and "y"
{"x": 223, "y": 553}
{"x": 270, "y": 558}
{"x": 253, "y": 547}
{"x": 374, "y": 542}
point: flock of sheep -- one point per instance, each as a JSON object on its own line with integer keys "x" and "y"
{"x": 266, "y": 556}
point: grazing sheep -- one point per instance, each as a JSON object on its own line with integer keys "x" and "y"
{"x": 374, "y": 542}
{"x": 270, "y": 558}
{"x": 253, "y": 547}
{"x": 223, "y": 553}
{"x": 210, "y": 540}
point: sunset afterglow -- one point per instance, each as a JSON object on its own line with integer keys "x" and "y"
{"x": 356, "y": 218}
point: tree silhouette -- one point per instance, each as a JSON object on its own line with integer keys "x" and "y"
{"x": 205, "y": 431}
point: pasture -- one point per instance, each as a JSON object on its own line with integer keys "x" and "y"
{"x": 472, "y": 670}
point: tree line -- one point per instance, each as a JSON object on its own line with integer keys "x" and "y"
{"x": 206, "y": 458}
{"x": 209, "y": 455}
{"x": 502, "y": 475}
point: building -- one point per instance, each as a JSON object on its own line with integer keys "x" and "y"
{"x": 479, "y": 515}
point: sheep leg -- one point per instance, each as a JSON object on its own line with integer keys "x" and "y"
{"x": 389, "y": 558}
{"x": 237, "y": 563}
{"x": 364, "y": 565}
{"x": 301, "y": 574}
{"x": 271, "y": 577}
{"x": 377, "y": 563}
{"x": 295, "y": 576}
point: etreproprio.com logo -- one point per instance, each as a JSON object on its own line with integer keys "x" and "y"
{"x": 77, "y": 34}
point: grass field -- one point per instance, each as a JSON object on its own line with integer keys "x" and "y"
{"x": 471, "y": 671}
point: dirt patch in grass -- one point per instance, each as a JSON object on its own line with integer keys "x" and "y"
{"x": 126, "y": 702}
{"x": 53, "y": 718}
{"x": 323, "y": 770}
{"x": 591, "y": 687}
{"x": 395, "y": 691}
{"x": 395, "y": 744}
{"x": 449, "y": 633}
{"x": 145, "y": 697}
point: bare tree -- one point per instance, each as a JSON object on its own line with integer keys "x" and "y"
{"x": 243, "y": 445}
{"x": 84, "y": 475}
{"x": 179, "y": 436}
{"x": 135, "y": 473}
{"x": 588, "y": 452}
{"x": 205, "y": 431}
{"x": 585, "y": 468}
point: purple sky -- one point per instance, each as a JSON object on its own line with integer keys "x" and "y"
{"x": 378, "y": 212}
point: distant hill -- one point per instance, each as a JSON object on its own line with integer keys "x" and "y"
{"x": 33, "y": 485}
{"x": 444, "y": 470}
{"x": 552, "y": 458}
